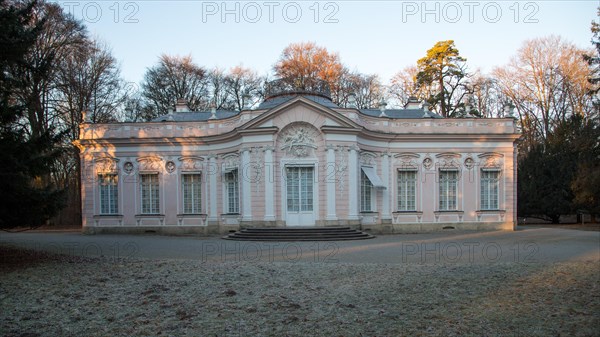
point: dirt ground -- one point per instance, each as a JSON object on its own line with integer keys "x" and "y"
{"x": 45, "y": 294}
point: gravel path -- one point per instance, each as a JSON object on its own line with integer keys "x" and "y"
{"x": 43, "y": 294}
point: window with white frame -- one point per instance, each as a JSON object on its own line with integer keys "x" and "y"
{"x": 489, "y": 189}
{"x": 365, "y": 192}
{"x": 407, "y": 190}
{"x": 149, "y": 193}
{"x": 232, "y": 190}
{"x": 109, "y": 193}
{"x": 191, "y": 185}
{"x": 448, "y": 190}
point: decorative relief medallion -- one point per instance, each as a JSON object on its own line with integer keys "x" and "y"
{"x": 128, "y": 167}
{"x": 170, "y": 166}
{"x": 469, "y": 163}
{"x": 299, "y": 141}
{"x": 427, "y": 163}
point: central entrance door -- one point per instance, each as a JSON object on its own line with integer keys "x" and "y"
{"x": 299, "y": 196}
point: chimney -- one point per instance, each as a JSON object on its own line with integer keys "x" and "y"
{"x": 85, "y": 116}
{"x": 382, "y": 105}
{"x": 247, "y": 104}
{"x": 213, "y": 111}
{"x": 181, "y": 105}
{"x": 511, "y": 112}
{"x": 352, "y": 100}
{"x": 413, "y": 103}
{"x": 507, "y": 110}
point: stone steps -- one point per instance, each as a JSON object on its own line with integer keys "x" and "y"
{"x": 298, "y": 234}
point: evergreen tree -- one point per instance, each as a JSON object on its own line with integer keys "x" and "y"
{"x": 562, "y": 174}
{"x": 445, "y": 68}
{"x": 27, "y": 199}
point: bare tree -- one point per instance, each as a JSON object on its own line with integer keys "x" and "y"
{"x": 404, "y": 85}
{"x": 218, "y": 90}
{"x": 59, "y": 34}
{"x": 367, "y": 89}
{"x": 547, "y": 81}
{"x": 172, "y": 78}
{"x": 485, "y": 96}
{"x": 244, "y": 87}
{"x": 88, "y": 80}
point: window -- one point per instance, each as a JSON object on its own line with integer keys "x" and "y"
{"x": 192, "y": 193}
{"x": 299, "y": 181}
{"x": 448, "y": 190}
{"x": 407, "y": 191}
{"x": 232, "y": 190}
{"x": 365, "y": 192}
{"x": 109, "y": 194}
{"x": 489, "y": 189}
{"x": 149, "y": 193}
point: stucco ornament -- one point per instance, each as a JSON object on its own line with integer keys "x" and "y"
{"x": 469, "y": 163}
{"x": 106, "y": 165}
{"x": 427, "y": 163}
{"x": 128, "y": 167}
{"x": 191, "y": 163}
{"x": 407, "y": 160}
{"x": 170, "y": 166}
{"x": 149, "y": 163}
{"x": 298, "y": 141}
{"x": 491, "y": 162}
{"x": 367, "y": 158}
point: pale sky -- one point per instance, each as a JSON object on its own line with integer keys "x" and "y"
{"x": 380, "y": 37}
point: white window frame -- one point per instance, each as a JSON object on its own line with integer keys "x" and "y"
{"x": 366, "y": 193}
{"x": 196, "y": 192}
{"x": 489, "y": 190}
{"x": 448, "y": 190}
{"x": 403, "y": 189}
{"x": 154, "y": 197}
{"x": 232, "y": 191}
{"x": 108, "y": 193}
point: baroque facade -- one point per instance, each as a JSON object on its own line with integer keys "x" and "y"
{"x": 299, "y": 160}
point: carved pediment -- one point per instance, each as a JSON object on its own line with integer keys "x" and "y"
{"x": 298, "y": 140}
{"x": 448, "y": 160}
{"x": 407, "y": 159}
{"x": 491, "y": 159}
{"x": 230, "y": 161}
{"x": 367, "y": 158}
{"x": 191, "y": 163}
{"x": 106, "y": 164}
{"x": 150, "y": 163}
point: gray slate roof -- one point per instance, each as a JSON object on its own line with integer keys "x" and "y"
{"x": 275, "y": 101}
{"x": 401, "y": 113}
{"x": 200, "y": 116}
{"x": 196, "y": 116}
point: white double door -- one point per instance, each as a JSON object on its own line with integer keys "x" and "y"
{"x": 300, "y": 195}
